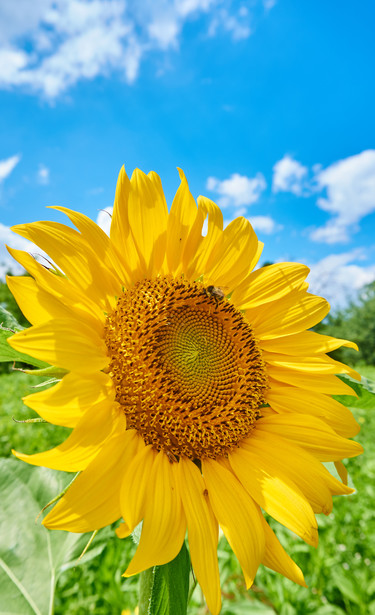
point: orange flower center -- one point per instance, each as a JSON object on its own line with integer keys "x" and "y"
{"x": 187, "y": 369}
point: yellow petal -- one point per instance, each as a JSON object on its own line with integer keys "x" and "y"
{"x": 120, "y": 233}
{"x": 60, "y": 288}
{"x": 228, "y": 262}
{"x": 276, "y": 494}
{"x": 269, "y": 283}
{"x": 202, "y": 531}
{"x": 104, "y": 248}
{"x": 342, "y": 471}
{"x": 199, "y": 248}
{"x": 180, "y": 220}
{"x": 305, "y": 343}
{"x": 298, "y": 465}
{"x": 164, "y": 523}
{"x": 65, "y": 343}
{"x": 320, "y": 383}
{"x": 66, "y": 402}
{"x": 312, "y": 434}
{"x": 36, "y": 304}
{"x": 319, "y": 364}
{"x": 291, "y": 314}
{"x": 276, "y": 558}
{"x": 93, "y": 499}
{"x": 135, "y": 485}
{"x": 83, "y": 444}
{"x": 291, "y": 399}
{"x": 76, "y": 258}
{"x": 148, "y": 215}
{"x": 238, "y": 516}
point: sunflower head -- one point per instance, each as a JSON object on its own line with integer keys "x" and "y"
{"x": 196, "y": 393}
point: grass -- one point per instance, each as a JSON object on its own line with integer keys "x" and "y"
{"x": 340, "y": 573}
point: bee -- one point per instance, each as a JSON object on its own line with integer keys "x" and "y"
{"x": 215, "y": 292}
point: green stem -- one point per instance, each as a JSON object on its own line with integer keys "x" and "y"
{"x": 163, "y": 590}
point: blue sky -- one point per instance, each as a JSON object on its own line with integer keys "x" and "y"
{"x": 267, "y": 105}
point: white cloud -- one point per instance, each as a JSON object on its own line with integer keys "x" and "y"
{"x": 238, "y": 25}
{"x": 289, "y": 175}
{"x": 104, "y": 219}
{"x": 269, "y": 4}
{"x": 350, "y": 189}
{"x": 238, "y": 189}
{"x": 43, "y": 175}
{"x": 7, "y": 166}
{"x": 338, "y": 277}
{"x": 49, "y": 45}
{"x": 265, "y": 224}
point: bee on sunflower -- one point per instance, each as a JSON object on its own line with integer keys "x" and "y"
{"x": 197, "y": 395}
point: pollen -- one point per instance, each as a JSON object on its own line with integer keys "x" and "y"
{"x": 188, "y": 372}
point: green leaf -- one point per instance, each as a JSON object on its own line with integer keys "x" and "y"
{"x": 347, "y": 586}
{"x": 31, "y": 557}
{"x": 164, "y": 589}
{"x": 8, "y": 321}
{"x": 7, "y": 353}
{"x": 365, "y": 391}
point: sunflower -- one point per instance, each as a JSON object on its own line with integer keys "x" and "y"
{"x": 197, "y": 396}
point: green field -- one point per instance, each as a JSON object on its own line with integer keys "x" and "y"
{"x": 340, "y": 573}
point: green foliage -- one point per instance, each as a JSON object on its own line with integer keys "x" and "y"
{"x": 357, "y": 324}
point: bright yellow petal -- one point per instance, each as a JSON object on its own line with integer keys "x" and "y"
{"x": 291, "y": 399}
{"x": 277, "y": 495}
{"x": 198, "y": 248}
{"x": 294, "y": 463}
{"x": 320, "y": 383}
{"x": 276, "y": 558}
{"x": 269, "y": 283}
{"x": 305, "y": 343}
{"x": 164, "y": 523}
{"x": 104, "y": 248}
{"x": 120, "y": 233}
{"x": 180, "y": 220}
{"x": 238, "y": 516}
{"x": 342, "y": 471}
{"x": 65, "y": 343}
{"x": 135, "y": 485}
{"x": 148, "y": 216}
{"x": 69, "y": 399}
{"x": 291, "y": 314}
{"x": 76, "y": 258}
{"x": 318, "y": 364}
{"x": 60, "y": 288}
{"x": 83, "y": 444}
{"x": 228, "y": 262}
{"x": 36, "y": 304}
{"x": 93, "y": 499}
{"x": 202, "y": 531}
{"x": 312, "y": 434}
